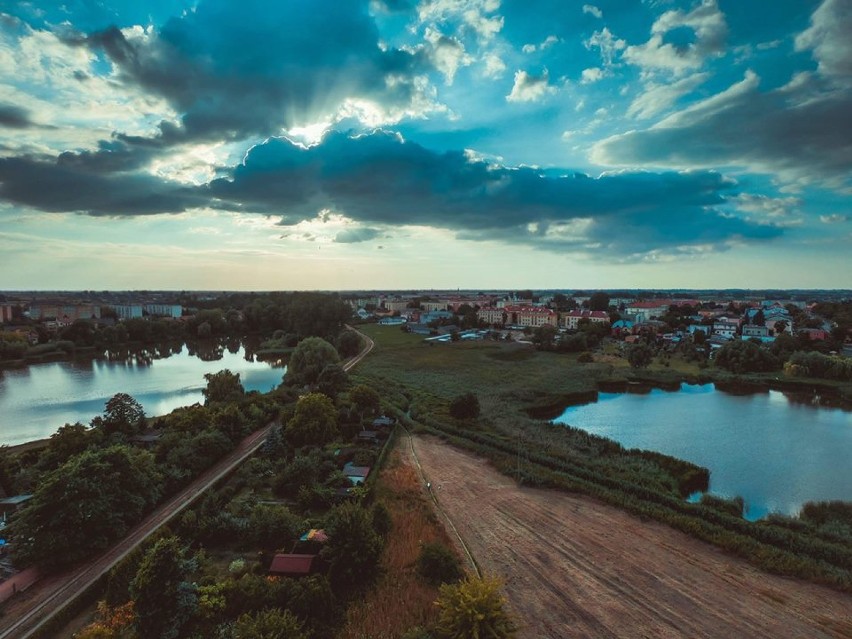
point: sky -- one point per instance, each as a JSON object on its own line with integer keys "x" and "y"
{"x": 415, "y": 144}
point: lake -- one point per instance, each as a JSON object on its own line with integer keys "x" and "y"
{"x": 774, "y": 452}
{"x": 37, "y": 400}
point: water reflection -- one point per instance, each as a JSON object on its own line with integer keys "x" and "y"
{"x": 775, "y": 451}
{"x": 36, "y": 400}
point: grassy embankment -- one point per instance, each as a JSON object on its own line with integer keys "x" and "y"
{"x": 516, "y": 385}
{"x": 400, "y": 599}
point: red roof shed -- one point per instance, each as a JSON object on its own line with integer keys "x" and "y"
{"x": 292, "y": 565}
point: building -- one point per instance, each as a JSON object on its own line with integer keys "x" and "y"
{"x": 64, "y": 313}
{"x": 396, "y": 305}
{"x": 725, "y": 327}
{"x": 571, "y": 320}
{"x": 392, "y": 321}
{"x": 291, "y": 565}
{"x": 433, "y": 305}
{"x": 530, "y": 316}
{"x": 127, "y": 311}
{"x": 8, "y": 311}
{"x": 752, "y": 330}
{"x": 164, "y": 310}
{"x": 491, "y": 315}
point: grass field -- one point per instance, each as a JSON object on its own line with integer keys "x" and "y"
{"x": 519, "y": 387}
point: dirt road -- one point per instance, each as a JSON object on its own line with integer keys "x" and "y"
{"x": 578, "y": 568}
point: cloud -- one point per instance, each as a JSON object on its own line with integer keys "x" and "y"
{"x": 834, "y": 218}
{"x": 828, "y": 38}
{"x": 800, "y": 132}
{"x": 530, "y": 88}
{"x": 592, "y": 10}
{"x": 353, "y": 236}
{"x": 447, "y": 54}
{"x": 682, "y": 41}
{"x": 15, "y": 117}
{"x": 56, "y": 186}
{"x": 656, "y": 97}
{"x": 494, "y": 66}
{"x": 235, "y": 70}
{"x": 380, "y": 180}
{"x": 548, "y": 42}
{"x": 474, "y": 16}
{"x": 607, "y": 43}
{"x": 591, "y": 75}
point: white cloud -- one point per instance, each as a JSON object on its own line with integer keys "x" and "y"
{"x": 656, "y": 98}
{"x": 829, "y": 38}
{"x": 530, "y": 88}
{"x": 477, "y": 16}
{"x": 834, "y": 218}
{"x": 592, "y": 10}
{"x": 607, "y": 43}
{"x": 548, "y": 42}
{"x": 710, "y": 30}
{"x": 447, "y": 53}
{"x": 494, "y": 66}
{"x": 591, "y": 75}
{"x": 763, "y": 207}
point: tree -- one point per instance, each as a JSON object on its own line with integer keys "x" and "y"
{"x": 309, "y": 359}
{"x": 83, "y": 506}
{"x": 67, "y": 441}
{"x": 268, "y": 624}
{"x": 348, "y": 343}
{"x": 332, "y": 380}
{"x": 740, "y": 356}
{"x": 164, "y": 599}
{"x": 353, "y": 548}
{"x": 314, "y": 422}
{"x": 639, "y": 355}
{"x": 365, "y": 401}
{"x": 599, "y": 302}
{"x": 780, "y": 327}
{"x": 124, "y": 415}
{"x": 474, "y": 608}
{"x": 223, "y": 386}
{"x": 543, "y": 336}
{"x": 465, "y": 406}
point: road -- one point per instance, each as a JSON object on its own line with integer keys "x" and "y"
{"x": 43, "y": 601}
{"x": 577, "y": 568}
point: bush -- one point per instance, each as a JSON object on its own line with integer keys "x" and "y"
{"x": 585, "y": 358}
{"x": 437, "y": 564}
{"x": 465, "y": 406}
{"x": 474, "y": 608}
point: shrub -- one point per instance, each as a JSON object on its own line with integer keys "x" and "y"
{"x": 437, "y": 564}
{"x": 585, "y": 358}
{"x": 465, "y": 406}
{"x": 474, "y": 608}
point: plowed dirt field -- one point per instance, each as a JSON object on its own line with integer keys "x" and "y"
{"x": 575, "y": 567}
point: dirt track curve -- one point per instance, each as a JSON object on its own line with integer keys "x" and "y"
{"x": 577, "y": 568}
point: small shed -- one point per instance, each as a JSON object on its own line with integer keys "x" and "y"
{"x": 383, "y": 422}
{"x": 292, "y": 565}
{"x": 356, "y": 474}
{"x": 369, "y": 437}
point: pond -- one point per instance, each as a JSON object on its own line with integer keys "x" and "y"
{"x": 38, "y": 399}
{"x": 775, "y": 452}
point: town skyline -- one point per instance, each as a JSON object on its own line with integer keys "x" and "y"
{"x": 437, "y": 144}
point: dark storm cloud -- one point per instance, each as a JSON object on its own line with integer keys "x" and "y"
{"x": 14, "y": 117}
{"x": 380, "y": 179}
{"x": 54, "y": 186}
{"x": 236, "y": 69}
